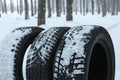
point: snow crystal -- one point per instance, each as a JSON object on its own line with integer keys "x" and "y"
{"x": 75, "y": 44}
{"x": 7, "y": 53}
{"x": 40, "y": 44}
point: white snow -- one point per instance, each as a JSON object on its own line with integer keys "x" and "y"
{"x": 111, "y": 23}
{"x": 73, "y": 42}
{"x": 44, "y": 39}
{"x": 7, "y": 54}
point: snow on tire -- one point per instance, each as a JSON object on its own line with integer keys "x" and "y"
{"x": 12, "y": 50}
{"x": 85, "y": 53}
{"x": 40, "y": 56}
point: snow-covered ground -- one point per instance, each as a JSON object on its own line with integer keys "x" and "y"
{"x": 111, "y": 23}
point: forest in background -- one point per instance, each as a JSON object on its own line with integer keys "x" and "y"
{"x": 60, "y": 7}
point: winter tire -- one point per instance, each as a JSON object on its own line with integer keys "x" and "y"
{"x": 12, "y": 51}
{"x": 40, "y": 56}
{"x": 85, "y": 53}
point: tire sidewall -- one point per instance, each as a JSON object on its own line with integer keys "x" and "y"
{"x": 102, "y": 37}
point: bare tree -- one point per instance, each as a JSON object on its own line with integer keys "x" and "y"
{"x": 108, "y": 6}
{"x": 41, "y": 11}
{"x": 53, "y": 6}
{"x": 83, "y": 7}
{"x": 21, "y": 6}
{"x": 58, "y": 8}
{"x": 87, "y": 5}
{"x": 4, "y": 7}
{"x": 49, "y": 8}
{"x": 98, "y": 6}
{"x": 113, "y": 7}
{"x": 69, "y": 15}
{"x": 26, "y": 9}
{"x": 35, "y": 7}
{"x": 32, "y": 13}
{"x": 63, "y": 6}
{"x": 92, "y": 4}
{"x": 17, "y": 6}
{"x": 12, "y": 6}
{"x": 0, "y": 7}
{"x": 104, "y": 8}
{"x": 76, "y": 1}
{"x": 117, "y": 6}
{"x": 80, "y": 6}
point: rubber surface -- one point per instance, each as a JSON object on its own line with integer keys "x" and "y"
{"x": 15, "y": 44}
{"x": 85, "y": 53}
{"x": 41, "y": 54}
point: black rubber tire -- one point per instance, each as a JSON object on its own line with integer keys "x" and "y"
{"x": 12, "y": 51}
{"x": 85, "y": 53}
{"x": 41, "y": 54}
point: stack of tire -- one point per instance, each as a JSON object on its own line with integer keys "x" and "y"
{"x": 59, "y": 53}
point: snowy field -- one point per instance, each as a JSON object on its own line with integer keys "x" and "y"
{"x": 111, "y": 23}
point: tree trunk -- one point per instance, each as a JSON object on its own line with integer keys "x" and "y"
{"x": 63, "y": 8}
{"x": 5, "y": 7}
{"x": 104, "y": 8}
{"x": 35, "y": 8}
{"x": 76, "y": 1}
{"x": 113, "y": 7}
{"x": 53, "y": 6}
{"x": 21, "y": 6}
{"x": 117, "y": 7}
{"x": 84, "y": 7}
{"x": 49, "y": 9}
{"x": 108, "y": 5}
{"x": 12, "y": 6}
{"x": 69, "y": 15}
{"x": 92, "y": 4}
{"x": 87, "y": 4}
{"x": 0, "y": 7}
{"x": 26, "y": 9}
{"x": 80, "y": 6}
{"x": 58, "y": 8}
{"x": 41, "y": 11}
{"x": 32, "y": 13}
{"x": 17, "y": 7}
{"x": 98, "y": 6}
